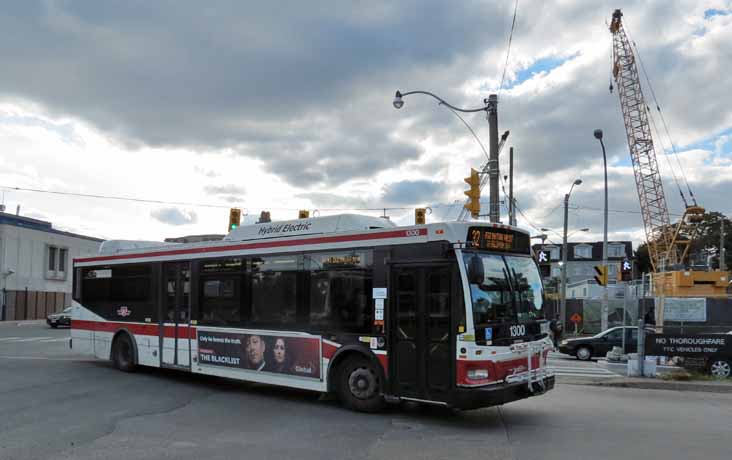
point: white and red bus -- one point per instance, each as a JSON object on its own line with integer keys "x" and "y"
{"x": 447, "y": 313}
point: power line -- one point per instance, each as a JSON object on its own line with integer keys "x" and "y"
{"x": 663, "y": 119}
{"x": 118, "y": 198}
{"x": 622, "y": 211}
{"x": 203, "y": 205}
{"x": 508, "y": 49}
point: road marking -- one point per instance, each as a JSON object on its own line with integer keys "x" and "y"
{"x": 43, "y": 358}
{"x": 582, "y": 371}
{"x": 33, "y": 339}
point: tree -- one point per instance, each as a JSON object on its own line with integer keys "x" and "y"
{"x": 643, "y": 259}
{"x": 706, "y": 243}
{"x": 707, "y": 240}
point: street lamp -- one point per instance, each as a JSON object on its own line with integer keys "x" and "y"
{"x": 563, "y": 290}
{"x": 491, "y": 110}
{"x": 604, "y": 315}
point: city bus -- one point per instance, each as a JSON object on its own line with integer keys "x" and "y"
{"x": 444, "y": 313}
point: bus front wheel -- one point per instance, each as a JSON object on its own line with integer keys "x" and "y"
{"x": 123, "y": 354}
{"x": 360, "y": 386}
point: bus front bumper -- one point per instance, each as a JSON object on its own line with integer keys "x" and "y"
{"x": 495, "y": 395}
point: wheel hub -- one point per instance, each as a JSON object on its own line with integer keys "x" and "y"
{"x": 721, "y": 369}
{"x": 362, "y": 383}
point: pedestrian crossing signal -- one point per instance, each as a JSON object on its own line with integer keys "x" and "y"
{"x": 601, "y": 276}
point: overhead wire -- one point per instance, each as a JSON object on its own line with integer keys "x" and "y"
{"x": 204, "y": 205}
{"x": 663, "y": 119}
{"x": 666, "y": 155}
{"x": 508, "y": 48}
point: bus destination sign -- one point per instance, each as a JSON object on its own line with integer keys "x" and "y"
{"x": 498, "y": 239}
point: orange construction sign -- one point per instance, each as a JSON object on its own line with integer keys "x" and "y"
{"x": 576, "y": 318}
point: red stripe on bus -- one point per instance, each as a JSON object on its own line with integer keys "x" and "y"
{"x": 184, "y": 332}
{"x": 384, "y": 360}
{"x": 265, "y": 244}
{"x": 328, "y": 350}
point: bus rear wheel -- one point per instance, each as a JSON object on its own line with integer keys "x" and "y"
{"x": 123, "y": 354}
{"x": 360, "y": 386}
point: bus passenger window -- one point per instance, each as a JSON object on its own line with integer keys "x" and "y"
{"x": 220, "y": 301}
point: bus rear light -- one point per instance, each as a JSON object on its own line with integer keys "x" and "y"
{"x": 478, "y": 374}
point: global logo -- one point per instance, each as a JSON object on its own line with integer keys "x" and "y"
{"x": 124, "y": 312}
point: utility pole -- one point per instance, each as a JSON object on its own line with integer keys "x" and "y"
{"x": 494, "y": 175}
{"x": 511, "y": 208}
{"x": 604, "y": 312}
{"x": 722, "y": 250}
{"x": 563, "y": 287}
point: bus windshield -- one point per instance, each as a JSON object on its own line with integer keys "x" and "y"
{"x": 511, "y": 290}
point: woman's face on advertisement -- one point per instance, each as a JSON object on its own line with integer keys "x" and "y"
{"x": 279, "y": 351}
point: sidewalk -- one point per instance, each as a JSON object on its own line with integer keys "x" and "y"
{"x": 27, "y": 322}
{"x": 714, "y": 386}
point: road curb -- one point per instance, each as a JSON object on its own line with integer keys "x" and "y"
{"x": 30, "y": 322}
{"x": 654, "y": 384}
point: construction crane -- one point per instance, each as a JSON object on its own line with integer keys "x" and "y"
{"x": 668, "y": 244}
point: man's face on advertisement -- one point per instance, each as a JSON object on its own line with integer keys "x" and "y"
{"x": 255, "y": 349}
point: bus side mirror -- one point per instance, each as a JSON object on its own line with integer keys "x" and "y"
{"x": 475, "y": 270}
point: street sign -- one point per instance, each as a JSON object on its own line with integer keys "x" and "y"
{"x": 576, "y": 318}
{"x": 685, "y": 309}
{"x": 701, "y": 345}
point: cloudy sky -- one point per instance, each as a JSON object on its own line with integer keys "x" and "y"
{"x": 283, "y": 106}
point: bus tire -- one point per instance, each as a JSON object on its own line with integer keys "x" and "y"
{"x": 123, "y": 353}
{"x": 360, "y": 385}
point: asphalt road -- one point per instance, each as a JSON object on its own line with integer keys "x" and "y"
{"x": 57, "y": 405}
{"x": 568, "y": 366}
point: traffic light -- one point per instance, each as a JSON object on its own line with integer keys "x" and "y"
{"x": 419, "y": 216}
{"x": 234, "y": 218}
{"x": 626, "y": 271}
{"x": 303, "y": 214}
{"x": 601, "y": 276}
{"x": 473, "y": 204}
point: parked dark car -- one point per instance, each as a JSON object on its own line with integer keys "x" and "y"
{"x": 62, "y": 318}
{"x": 586, "y": 348}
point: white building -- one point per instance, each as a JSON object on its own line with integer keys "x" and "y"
{"x": 35, "y": 266}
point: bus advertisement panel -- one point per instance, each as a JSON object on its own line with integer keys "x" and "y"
{"x": 298, "y": 356}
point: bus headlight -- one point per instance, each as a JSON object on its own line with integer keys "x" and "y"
{"x": 478, "y": 374}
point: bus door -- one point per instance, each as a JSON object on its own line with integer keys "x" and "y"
{"x": 422, "y": 354}
{"x": 175, "y": 342}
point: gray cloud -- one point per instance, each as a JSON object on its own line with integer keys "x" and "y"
{"x": 331, "y": 200}
{"x": 174, "y": 74}
{"x": 412, "y": 192}
{"x": 229, "y": 189}
{"x": 308, "y": 93}
{"x": 174, "y": 216}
